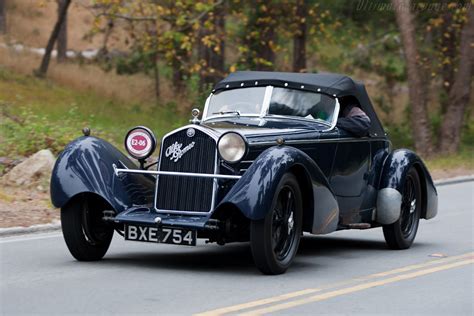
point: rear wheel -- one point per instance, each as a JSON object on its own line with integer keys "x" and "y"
{"x": 87, "y": 236}
{"x": 274, "y": 240}
{"x": 401, "y": 234}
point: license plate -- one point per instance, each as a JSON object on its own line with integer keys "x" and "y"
{"x": 166, "y": 235}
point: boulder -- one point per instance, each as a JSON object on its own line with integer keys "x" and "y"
{"x": 34, "y": 170}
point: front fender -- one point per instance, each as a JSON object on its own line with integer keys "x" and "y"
{"x": 86, "y": 166}
{"x": 389, "y": 198}
{"x": 253, "y": 193}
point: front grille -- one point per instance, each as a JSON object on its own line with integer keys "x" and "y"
{"x": 187, "y": 194}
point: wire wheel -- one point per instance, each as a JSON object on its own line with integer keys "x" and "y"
{"x": 274, "y": 240}
{"x": 401, "y": 234}
{"x": 86, "y": 235}
{"x": 283, "y": 223}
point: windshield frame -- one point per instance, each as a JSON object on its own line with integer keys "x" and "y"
{"x": 265, "y": 111}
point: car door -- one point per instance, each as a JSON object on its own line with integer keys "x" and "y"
{"x": 349, "y": 175}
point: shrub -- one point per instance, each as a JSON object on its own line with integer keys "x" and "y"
{"x": 28, "y": 133}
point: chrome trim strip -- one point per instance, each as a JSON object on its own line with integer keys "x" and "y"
{"x": 205, "y": 130}
{"x": 173, "y": 173}
{"x": 266, "y": 101}
{"x": 206, "y": 107}
{"x": 315, "y": 141}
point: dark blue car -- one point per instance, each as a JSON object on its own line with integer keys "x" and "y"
{"x": 265, "y": 163}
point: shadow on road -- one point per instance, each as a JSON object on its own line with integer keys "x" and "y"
{"x": 237, "y": 257}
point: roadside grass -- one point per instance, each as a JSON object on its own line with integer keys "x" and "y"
{"x": 462, "y": 160}
{"x": 37, "y": 114}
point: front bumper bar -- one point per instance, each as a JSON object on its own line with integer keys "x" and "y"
{"x": 145, "y": 215}
{"x": 117, "y": 171}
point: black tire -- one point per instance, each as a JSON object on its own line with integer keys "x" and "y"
{"x": 274, "y": 240}
{"x": 401, "y": 234}
{"x": 87, "y": 236}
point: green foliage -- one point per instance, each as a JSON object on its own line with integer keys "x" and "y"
{"x": 33, "y": 132}
{"x": 53, "y": 115}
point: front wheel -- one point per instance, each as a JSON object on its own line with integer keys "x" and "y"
{"x": 87, "y": 236}
{"x": 274, "y": 240}
{"x": 401, "y": 234}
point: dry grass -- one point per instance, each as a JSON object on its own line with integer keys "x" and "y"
{"x": 87, "y": 77}
{"x": 31, "y": 22}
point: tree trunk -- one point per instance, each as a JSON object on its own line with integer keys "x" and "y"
{"x": 3, "y": 18}
{"x": 448, "y": 47}
{"x": 417, "y": 88}
{"x": 212, "y": 57}
{"x": 41, "y": 72}
{"x": 156, "y": 76}
{"x": 299, "y": 39}
{"x": 62, "y": 37}
{"x": 459, "y": 95}
{"x": 259, "y": 36}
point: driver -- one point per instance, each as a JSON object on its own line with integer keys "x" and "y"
{"x": 353, "y": 120}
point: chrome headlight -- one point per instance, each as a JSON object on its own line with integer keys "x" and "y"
{"x": 232, "y": 147}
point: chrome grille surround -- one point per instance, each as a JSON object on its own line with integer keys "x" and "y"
{"x": 211, "y": 135}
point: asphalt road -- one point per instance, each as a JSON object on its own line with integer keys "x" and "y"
{"x": 349, "y": 272}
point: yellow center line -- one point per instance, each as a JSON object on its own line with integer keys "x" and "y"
{"x": 256, "y": 303}
{"x": 328, "y": 295}
{"x": 421, "y": 265}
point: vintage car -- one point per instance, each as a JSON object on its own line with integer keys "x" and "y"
{"x": 265, "y": 163}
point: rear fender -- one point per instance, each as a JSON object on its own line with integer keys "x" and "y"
{"x": 86, "y": 166}
{"x": 253, "y": 193}
{"x": 389, "y": 198}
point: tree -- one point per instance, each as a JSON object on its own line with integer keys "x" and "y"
{"x": 3, "y": 19}
{"x": 62, "y": 36}
{"x": 417, "y": 89}
{"x": 259, "y": 35}
{"x": 460, "y": 92}
{"x": 299, "y": 37}
{"x": 211, "y": 47}
{"x": 167, "y": 31}
{"x": 41, "y": 72}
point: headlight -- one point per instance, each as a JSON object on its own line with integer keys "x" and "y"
{"x": 232, "y": 147}
{"x": 140, "y": 142}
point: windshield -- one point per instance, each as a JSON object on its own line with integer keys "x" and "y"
{"x": 305, "y": 104}
{"x": 245, "y": 101}
{"x": 279, "y": 101}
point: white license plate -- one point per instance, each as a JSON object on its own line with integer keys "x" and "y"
{"x": 166, "y": 235}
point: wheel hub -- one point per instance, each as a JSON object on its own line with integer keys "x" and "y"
{"x": 291, "y": 223}
{"x": 412, "y": 206}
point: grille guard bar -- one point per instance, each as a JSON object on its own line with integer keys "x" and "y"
{"x": 117, "y": 171}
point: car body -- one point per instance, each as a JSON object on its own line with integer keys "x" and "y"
{"x": 266, "y": 161}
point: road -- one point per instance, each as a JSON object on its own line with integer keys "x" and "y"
{"x": 347, "y": 272}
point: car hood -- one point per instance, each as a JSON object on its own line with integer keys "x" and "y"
{"x": 260, "y": 127}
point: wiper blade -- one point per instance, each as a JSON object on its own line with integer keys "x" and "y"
{"x": 227, "y": 112}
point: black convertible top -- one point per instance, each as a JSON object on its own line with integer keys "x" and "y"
{"x": 335, "y": 85}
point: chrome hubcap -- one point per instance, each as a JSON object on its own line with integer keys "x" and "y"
{"x": 412, "y": 206}
{"x": 291, "y": 223}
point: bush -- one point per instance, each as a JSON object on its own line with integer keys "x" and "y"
{"x": 28, "y": 133}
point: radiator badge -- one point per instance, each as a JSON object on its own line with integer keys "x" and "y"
{"x": 190, "y": 132}
{"x": 174, "y": 152}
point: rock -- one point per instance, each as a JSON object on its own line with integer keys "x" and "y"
{"x": 34, "y": 170}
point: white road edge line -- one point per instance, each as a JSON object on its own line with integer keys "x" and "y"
{"x": 16, "y": 238}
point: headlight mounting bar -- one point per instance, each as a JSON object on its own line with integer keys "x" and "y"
{"x": 117, "y": 171}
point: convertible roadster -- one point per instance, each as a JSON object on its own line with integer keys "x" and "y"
{"x": 265, "y": 163}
